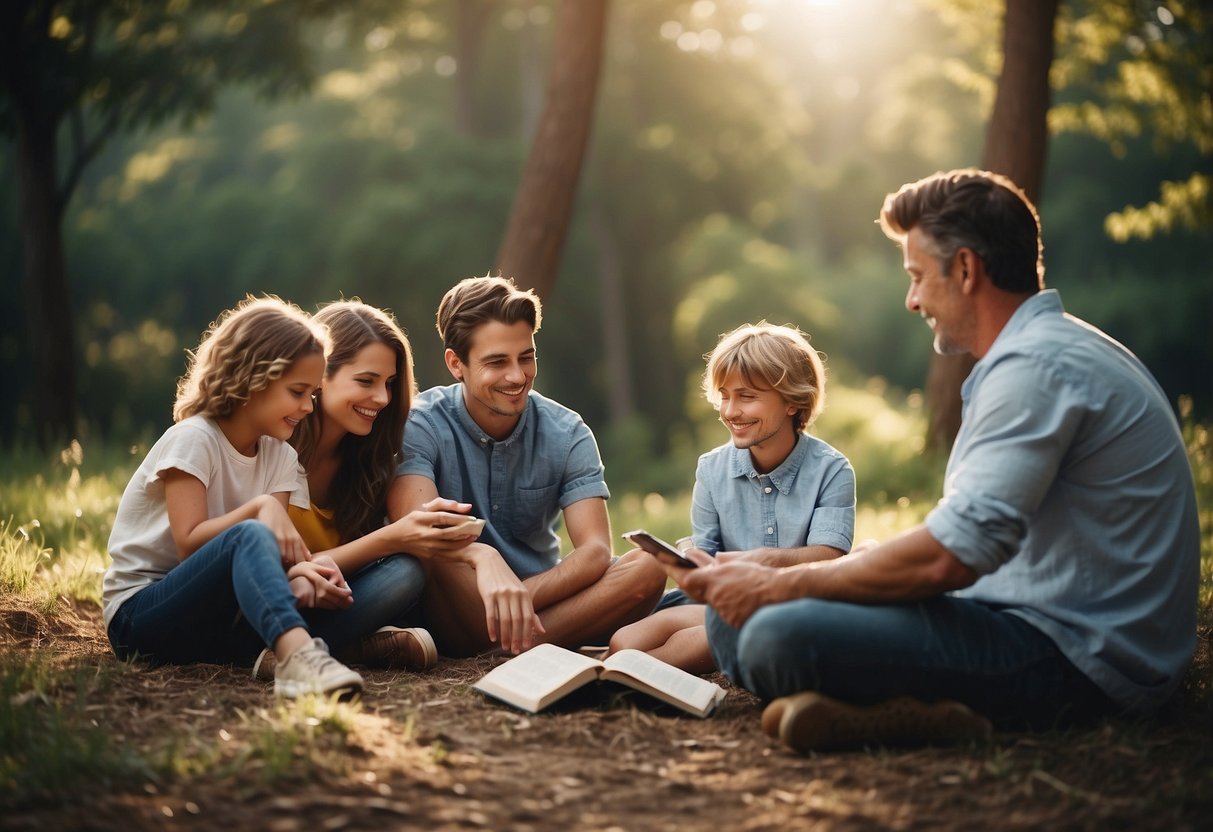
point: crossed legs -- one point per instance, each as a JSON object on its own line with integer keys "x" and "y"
{"x": 454, "y": 612}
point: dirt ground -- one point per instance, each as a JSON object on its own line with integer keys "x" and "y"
{"x": 425, "y": 752}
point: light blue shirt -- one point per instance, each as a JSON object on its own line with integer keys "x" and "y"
{"x": 520, "y": 484}
{"x": 1069, "y": 492}
{"x": 808, "y": 500}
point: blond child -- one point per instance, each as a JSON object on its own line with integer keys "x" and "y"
{"x": 773, "y": 494}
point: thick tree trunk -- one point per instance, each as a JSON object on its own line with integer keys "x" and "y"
{"x": 1017, "y": 139}
{"x": 47, "y": 301}
{"x": 539, "y": 219}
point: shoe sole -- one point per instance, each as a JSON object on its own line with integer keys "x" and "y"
{"x": 429, "y": 650}
{"x": 812, "y": 722}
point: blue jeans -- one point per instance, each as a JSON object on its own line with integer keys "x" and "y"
{"x": 944, "y": 648}
{"x": 230, "y": 599}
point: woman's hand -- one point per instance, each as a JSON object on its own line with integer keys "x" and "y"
{"x": 430, "y": 531}
{"x": 319, "y": 584}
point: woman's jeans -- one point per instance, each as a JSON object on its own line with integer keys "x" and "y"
{"x": 944, "y": 648}
{"x": 230, "y": 599}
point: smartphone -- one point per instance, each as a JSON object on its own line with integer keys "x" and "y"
{"x": 658, "y": 548}
{"x": 468, "y": 525}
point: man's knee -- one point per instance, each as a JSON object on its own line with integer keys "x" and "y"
{"x": 641, "y": 573}
{"x": 769, "y": 639}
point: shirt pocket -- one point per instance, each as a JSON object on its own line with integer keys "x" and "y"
{"x": 534, "y": 509}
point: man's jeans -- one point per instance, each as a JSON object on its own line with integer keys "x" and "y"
{"x": 230, "y": 599}
{"x": 944, "y": 648}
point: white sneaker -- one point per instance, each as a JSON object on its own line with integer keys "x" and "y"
{"x": 311, "y": 669}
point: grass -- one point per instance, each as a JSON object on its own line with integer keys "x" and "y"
{"x": 54, "y": 523}
{"x": 50, "y": 748}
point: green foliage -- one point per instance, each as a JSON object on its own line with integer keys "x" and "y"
{"x": 741, "y": 152}
{"x": 53, "y": 542}
{"x": 1198, "y": 438}
{"x": 50, "y": 748}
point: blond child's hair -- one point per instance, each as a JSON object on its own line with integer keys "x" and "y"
{"x": 777, "y": 357}
{"x": 242, "y": 351}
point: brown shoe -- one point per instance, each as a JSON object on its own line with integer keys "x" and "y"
{"x": 812, "y": 722}
{"x": 394, "y": 647}
{"x": 772, "y": 715}
{"x": 263, "y": 668}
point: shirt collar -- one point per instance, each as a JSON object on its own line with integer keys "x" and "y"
{"x": 476, "y": 432}
{"x": 1044, "y": 302}
{"x": 741, "y": 464}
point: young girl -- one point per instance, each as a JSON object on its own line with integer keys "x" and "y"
{"x": 207, "y": 566}
{"x": 349, "y": 447}
{"x": 773, "y": 494}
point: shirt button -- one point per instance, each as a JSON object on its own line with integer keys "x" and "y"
{"x": 767, "y": 490}
{"x": 770, "y": 530}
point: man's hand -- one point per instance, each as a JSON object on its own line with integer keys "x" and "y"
{"x": 735, "y": 587}
{"x": 735, "y": 590}
{"x": 508, "y": 610}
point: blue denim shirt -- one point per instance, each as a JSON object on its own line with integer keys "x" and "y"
{"x": 809, "y": 500}
{"x": 520, "y": 484}
{"x": 1069, "y": 491}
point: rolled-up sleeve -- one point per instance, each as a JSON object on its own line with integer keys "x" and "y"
{"x": 584, "y": 474}
{"x": 833, "y": 521}
{"x": 421, "y": 448}
{"x": 1011, "y": 445}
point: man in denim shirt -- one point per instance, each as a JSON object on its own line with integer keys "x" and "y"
{"x": 1056, "y": 578}
{"x": 520, "y": 461}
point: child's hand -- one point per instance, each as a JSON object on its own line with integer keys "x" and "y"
{"x": 326, "y": 583}
{"x": 290, "y": 544}
{"x": 305, "y": 594}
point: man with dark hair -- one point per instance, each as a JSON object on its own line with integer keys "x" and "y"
{"x": 1057, "y": 577}
{"x": 521, "y": 461}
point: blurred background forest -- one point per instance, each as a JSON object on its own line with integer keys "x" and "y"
{"x": 739, "y": 155}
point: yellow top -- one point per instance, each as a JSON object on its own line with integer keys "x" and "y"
{"x": 315, "y": 525}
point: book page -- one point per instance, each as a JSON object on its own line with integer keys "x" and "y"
{"x": 539, "y": 676}
{"x": 664, "y": 681}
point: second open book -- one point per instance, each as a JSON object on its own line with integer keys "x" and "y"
{"x": 545, "y": 673}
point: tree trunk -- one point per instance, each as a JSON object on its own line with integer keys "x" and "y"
{"x": 539, "y": 219}
{"x": 1016, "y": 141}
{"x": 470, "y": 18}
{"x": 47, "y": 300}
{"x": 621, "y": 402}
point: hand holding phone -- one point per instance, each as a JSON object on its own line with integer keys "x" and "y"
{"x": 658, "y": 548}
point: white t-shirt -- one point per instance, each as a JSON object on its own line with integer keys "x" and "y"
{"x": 141, "y": 543}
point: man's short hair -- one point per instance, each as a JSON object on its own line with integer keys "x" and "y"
{"x": 975, "y": 209}
{"x": 776, "y": 357}
{"x": 477, "y": 300}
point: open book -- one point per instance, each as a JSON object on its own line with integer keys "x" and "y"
{"x": 545, "y": 673}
